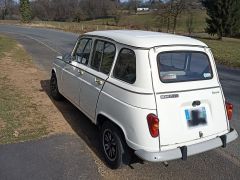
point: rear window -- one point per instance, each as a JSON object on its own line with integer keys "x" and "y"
{"x": 183, "y": 66}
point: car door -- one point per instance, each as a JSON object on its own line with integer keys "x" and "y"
{"x": 95, "y": 75}
{"x": 74, "y": 70}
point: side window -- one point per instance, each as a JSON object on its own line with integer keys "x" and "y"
{"x": 103, "y": 56}
{"x": 108, "y": 57}
{"x": 97, "y": 55}
{"x": 83, "y": 51}
{"x": 86, "y": 52}
{"x": 125, "y": 68}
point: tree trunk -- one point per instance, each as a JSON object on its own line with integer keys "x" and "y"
{"x": 174, "y": 24}
{"x": 168, "y": 24}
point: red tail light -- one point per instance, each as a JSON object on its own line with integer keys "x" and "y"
{"x": 229, "y": 108}
{"x": 153, "y": 125}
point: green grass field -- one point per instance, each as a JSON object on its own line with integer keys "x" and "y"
{"x": 226, "y": 51}
{"x": 147, "y": 21}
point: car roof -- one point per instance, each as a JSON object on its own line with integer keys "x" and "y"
{"x": 146, "y": 39}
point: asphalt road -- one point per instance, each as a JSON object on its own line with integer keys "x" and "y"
{"x": 43, "y": 45}
{"x": 55, "y": 157}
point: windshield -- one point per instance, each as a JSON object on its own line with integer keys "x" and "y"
{"x": 179, "y": 66}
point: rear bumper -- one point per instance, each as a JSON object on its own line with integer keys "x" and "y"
{"x": 185, "y": 151}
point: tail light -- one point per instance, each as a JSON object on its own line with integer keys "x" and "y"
{"x": 229, "y": 108}
{"x": 153, "y": 125}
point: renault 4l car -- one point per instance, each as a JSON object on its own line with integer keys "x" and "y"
{"x": 154, "y": 94}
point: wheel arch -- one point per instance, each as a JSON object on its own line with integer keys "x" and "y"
{"x": 53, "y": 71}
{"x": 102, "y": 117}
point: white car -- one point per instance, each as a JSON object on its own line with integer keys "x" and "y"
{"x": 155, "y": 94}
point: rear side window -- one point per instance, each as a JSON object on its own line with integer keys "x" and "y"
{"x": 183, "y": 66}
{"x": 103, "y": 56}
{"x": 125, "y": 67}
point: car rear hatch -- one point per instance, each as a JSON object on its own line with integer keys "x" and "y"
{"x": 190, "y": 103}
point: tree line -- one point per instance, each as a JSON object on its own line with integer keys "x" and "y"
{"x": 9, "y": 9}
{"x": 59, "y": 10}
{"x": 73, "y": 10}
{"x": 223, "y": 15}
{"x": 77, "y": 10}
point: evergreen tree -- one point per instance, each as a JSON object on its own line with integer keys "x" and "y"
{"x": 223, "y": 18}
{"x": 238, "y": 19}
{"x": 25, "y": 10}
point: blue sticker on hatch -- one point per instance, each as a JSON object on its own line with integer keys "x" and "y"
{"x": 187, "y": 114}
{"x": 202, "y": 113}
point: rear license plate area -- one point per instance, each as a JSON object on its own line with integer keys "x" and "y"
{"x": 196, "y": 117}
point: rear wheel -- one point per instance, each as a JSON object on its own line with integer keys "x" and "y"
{"x": 54, "y": 88}
{"x": 115, "y": 150}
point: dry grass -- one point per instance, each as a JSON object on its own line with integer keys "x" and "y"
{"x": 26, "y": 112}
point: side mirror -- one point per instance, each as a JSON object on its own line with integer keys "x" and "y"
{"x": 67, "y": 58}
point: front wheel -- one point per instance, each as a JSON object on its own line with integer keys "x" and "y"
{"x": 115, "y": 150}
{"x": 54, "y": 88}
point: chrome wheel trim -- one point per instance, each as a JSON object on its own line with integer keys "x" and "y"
{"x": 109, "y": 145}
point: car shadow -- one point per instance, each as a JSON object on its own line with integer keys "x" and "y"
{"x": 81, "y": 124}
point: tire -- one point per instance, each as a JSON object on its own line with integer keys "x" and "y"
{"x": 54, "y": 88}
{"x": 114, "y": 148}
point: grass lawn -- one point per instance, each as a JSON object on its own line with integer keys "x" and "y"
{"x": 156, "y": 22}
{"x": 226, "y": 51}
{"x": 20, "y": 119}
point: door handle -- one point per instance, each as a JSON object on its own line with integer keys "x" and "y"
{"x": 81, "y": 72}
{"x": 98, "y": 81}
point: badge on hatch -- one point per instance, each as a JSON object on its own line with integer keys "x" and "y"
{"x": 169, "y": 96}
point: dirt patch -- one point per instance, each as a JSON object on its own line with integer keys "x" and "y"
{"x": 27, "y": 79}
{"x": 2, "y": 123}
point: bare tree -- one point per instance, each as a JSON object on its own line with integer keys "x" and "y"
{"x": 42, "y": 9}
{"x": 58, "y": 10}
{"x": 133, "y": 5}
{"x": 177, "y": 6}
{"x": 189, "y": 21}
{"x": 168, "y": 13}
{"x": 7, "y": 8}
{"x": 163, "y": 14}
{"x": 74, "y": 10}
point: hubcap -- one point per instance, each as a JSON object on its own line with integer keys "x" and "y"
{"x": 109, "y": 145}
